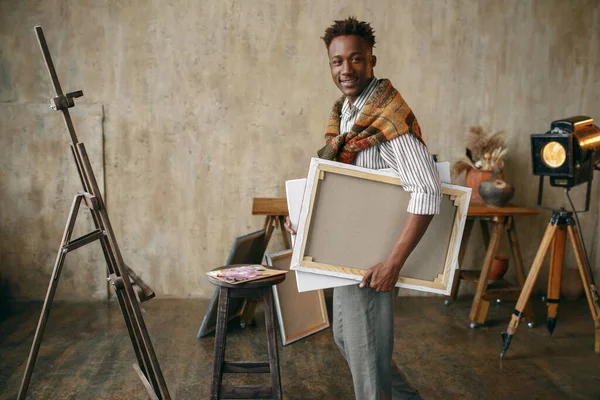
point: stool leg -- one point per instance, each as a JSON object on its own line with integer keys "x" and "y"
{"x": 220, "y": 343}
{"x": 272, "y": 342}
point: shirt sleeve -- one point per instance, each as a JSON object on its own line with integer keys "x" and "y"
{"x": 411, "y": 160}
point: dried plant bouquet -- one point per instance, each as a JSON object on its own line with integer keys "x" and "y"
{"x": 484, "y": 152}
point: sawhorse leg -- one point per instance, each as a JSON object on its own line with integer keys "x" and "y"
{"x": 480, "y": 306}
{"x": 284, "y": 234}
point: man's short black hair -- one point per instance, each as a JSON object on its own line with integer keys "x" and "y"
{"x": 349, "y": 26}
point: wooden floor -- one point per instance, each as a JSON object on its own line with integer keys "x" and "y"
{"x": 86, "y": 353}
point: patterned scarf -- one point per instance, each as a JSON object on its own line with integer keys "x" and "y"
{"x": 385, "y": 116}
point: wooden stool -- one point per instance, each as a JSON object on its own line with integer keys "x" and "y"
{"x": 256, "y": 289}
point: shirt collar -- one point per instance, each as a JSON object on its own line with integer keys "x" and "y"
{"x": 361, "y": 99}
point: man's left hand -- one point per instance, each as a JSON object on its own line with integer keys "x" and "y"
{"x": 382, "y": 277}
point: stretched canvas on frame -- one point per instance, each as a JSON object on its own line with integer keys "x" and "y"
{"x": 299, "y": 314}
{"x": 342, "y": 202}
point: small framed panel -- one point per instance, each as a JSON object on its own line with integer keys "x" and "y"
{"x": 247, "y": 249}
{"x": 299, "y": 314}
{"x": 351, "y": 218}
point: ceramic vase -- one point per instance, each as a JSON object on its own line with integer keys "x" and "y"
{"x": 474, "y": 178}
{"x": 496, "y": 192}
{"x": 499, "y": 267}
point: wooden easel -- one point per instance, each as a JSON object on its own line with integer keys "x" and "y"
{"x": 119, "y": 275}
{"x": 560, "y": 224}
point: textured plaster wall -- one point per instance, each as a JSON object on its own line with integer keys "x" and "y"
{"x": 194, "y": 108}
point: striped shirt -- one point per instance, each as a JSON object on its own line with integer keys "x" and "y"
{"x": 405, "y": 155}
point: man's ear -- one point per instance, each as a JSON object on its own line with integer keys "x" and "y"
{"x": 373, "y": 60}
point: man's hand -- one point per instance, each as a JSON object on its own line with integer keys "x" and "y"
{"x": 382, "y": 277}
{"x": 288, "y": 226}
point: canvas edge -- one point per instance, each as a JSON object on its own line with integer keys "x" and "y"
{"x": 300, "y": 233}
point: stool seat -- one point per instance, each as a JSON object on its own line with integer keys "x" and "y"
{"x": 261, "y": 288}
{"x": 256, "y": 284}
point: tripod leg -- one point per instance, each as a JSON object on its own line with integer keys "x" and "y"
{"x": 538, "y": 261}
{"x": 588, "y": 283}
{"x": 515, "y": 248}
{"x": 39, "y": 333}
{"x": 557, "y": 257}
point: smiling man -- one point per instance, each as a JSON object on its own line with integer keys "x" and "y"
{"x": 372, "y": 126}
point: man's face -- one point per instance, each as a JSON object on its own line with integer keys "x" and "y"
{"x": 351, "y": 62}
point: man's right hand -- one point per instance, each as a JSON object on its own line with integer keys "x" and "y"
{"x": 288, "y": 226}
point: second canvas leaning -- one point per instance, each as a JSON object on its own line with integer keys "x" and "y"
{"x": 351, "y": 218}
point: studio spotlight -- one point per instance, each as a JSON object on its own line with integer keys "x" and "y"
{"x": 568, "y": 154}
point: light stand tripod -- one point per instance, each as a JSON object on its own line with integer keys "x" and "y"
{"x": 560, "y": 224}
{"x": 120, "y": 276}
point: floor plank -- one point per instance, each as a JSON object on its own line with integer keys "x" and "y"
{"x": 86, "y": 353}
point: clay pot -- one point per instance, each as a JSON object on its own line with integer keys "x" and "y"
{"x": 495, "y": 192}
{"x": 474, "y": 178}
{"x": 571, "y": 286}
{"x": 499, "y": 267}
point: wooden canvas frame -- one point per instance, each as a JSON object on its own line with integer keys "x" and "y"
{"x": 360, "y": 198}
{"x": 299, "y": 314}
{"x": 247, "y": 249}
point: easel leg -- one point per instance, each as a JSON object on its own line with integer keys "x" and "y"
{"x": 133, "y": 313}
{"x": 515, "y": 248}
{"x": 111, "y": 264}
{"x": 538, "y": 261}
{"x": 39, "y": 333}
{"x": 480, "y": 306}
{"x": 557, "y": 257}
{"x": 588, "y": 283}
{"x": 143, "y": 358}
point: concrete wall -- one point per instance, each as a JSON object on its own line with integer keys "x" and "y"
{"x": 201, "y": 106}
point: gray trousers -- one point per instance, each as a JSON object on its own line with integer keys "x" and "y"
{"x": 363, "y": 329}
